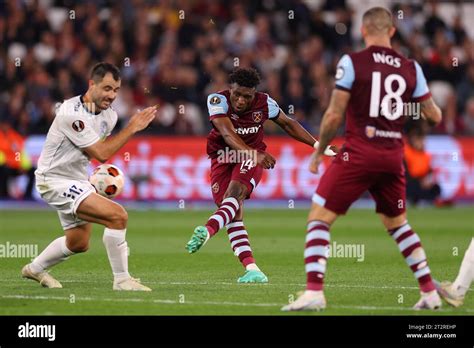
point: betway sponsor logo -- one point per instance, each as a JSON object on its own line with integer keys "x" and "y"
{"x": 248, "y": 130}
{"x": 37, "y": 331}
{"x": 372, "y": 132}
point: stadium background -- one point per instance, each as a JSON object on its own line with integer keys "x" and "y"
{"x": 173, "y": 53}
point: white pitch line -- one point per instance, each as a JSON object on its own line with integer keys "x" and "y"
{"x": 229, "y": 283}
{"x": 212, "y": 303}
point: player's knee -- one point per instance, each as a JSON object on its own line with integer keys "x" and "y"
{"x": 236, "y": 191}
{"x": 119, "y": 219}
{"x": 391, "y": 222}
{"x": 80, "y": 246}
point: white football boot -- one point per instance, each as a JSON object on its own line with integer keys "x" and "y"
{"x": 428, "y": 300}
{"x": 308, "y": 301}
{"x": 44, "y": 278}
{"x": 129, "y": 284}
{"x": 447, "y": 291}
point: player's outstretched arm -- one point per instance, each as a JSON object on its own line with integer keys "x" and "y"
{"x": 295, "y": 130}
{"x": 331, "y": 122}
{"x": 226, "y": 129}
{"x": 431, "y": 112}
{"x": 332, "y": 118}
{"x": 103, "y": 150}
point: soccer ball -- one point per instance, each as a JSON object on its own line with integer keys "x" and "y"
{"x": 108, "y": 180}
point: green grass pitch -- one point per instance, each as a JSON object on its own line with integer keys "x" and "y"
{"x": 205, "y": 283}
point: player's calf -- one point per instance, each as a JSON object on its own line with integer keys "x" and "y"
{"x": 410, "y": 246}
{"x": 315, "y": 254}
{"x": 77, "y": 241}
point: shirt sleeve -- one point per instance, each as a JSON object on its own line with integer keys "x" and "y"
{"x": 217, "y": 105}
{"x": 273, "y": 108}
{"x": 77, "y": 127}
{"x": 421, "y": 91}
{"x": 345, "y": 73}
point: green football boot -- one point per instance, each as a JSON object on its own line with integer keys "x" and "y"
{"x": 198, "y": 239}
{"x": 253, "y": 277}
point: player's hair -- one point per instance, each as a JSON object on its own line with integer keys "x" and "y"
{"x": 377, "y": 20}
{"x": 101, "y": 69}
{"x": 245, "y": 77}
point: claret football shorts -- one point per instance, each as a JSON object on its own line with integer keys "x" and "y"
{"x": 343, "y": 183}
{"x": 223, "y": 173}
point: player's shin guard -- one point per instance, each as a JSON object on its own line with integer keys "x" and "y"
{"x": 414, "y": 254}
{"x": 117, "y": 251}
{"x": 315, "y": 254}
{"x": 223, "y": 216}
{"x": 239, "y": 241}
{"x": 55, "y": 252}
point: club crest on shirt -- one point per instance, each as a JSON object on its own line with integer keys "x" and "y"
{"x": 78, "y": 126}
{"x": 215, "y": 187}
{"x": 370, "y": 131}
{"x": 257, "y": 116}
{"x": 215, "y": 100}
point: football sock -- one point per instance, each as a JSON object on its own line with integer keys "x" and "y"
{"x": 466, "y": 272}
{"x": 252, "y": 267}
{"x": 117, "y": 251}
{"x": 315, "y": 254}
{"x": 54, "y": 253}
{"x": 239, "y": 241}
{"x": 410, "y": 246}
{"x": 223, "y": 216}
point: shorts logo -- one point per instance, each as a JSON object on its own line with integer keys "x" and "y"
{"x": 78, "y": 126}
{"x": 339, "y": 73}
{"x": 215, "y": 100}
{"x": 370, "y": 131}
{"x": 257, "y": 116}
{"x": 215, "y": 187}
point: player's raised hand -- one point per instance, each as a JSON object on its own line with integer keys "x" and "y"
{"x": 142, "y": 119}
{"x": 265, "y": 160}
{"x": 315, "y": 162}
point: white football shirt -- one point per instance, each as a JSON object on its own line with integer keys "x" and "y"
{"x": 73, "y": 129}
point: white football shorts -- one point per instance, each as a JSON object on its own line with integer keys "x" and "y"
{"x": 65, "y": 196}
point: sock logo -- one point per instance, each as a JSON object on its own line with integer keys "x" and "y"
{"x": 37, "y": 331}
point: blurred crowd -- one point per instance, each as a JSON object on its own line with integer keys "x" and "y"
{"x": 173, "y": 53}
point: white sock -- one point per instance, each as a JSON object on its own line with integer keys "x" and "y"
{"x": 54, "y": 253}
{"x": 117, "y": 251}
{"x": 313, "y": 292}
{"x": 252, "y": 267}
{"x": 466, "y": 272}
